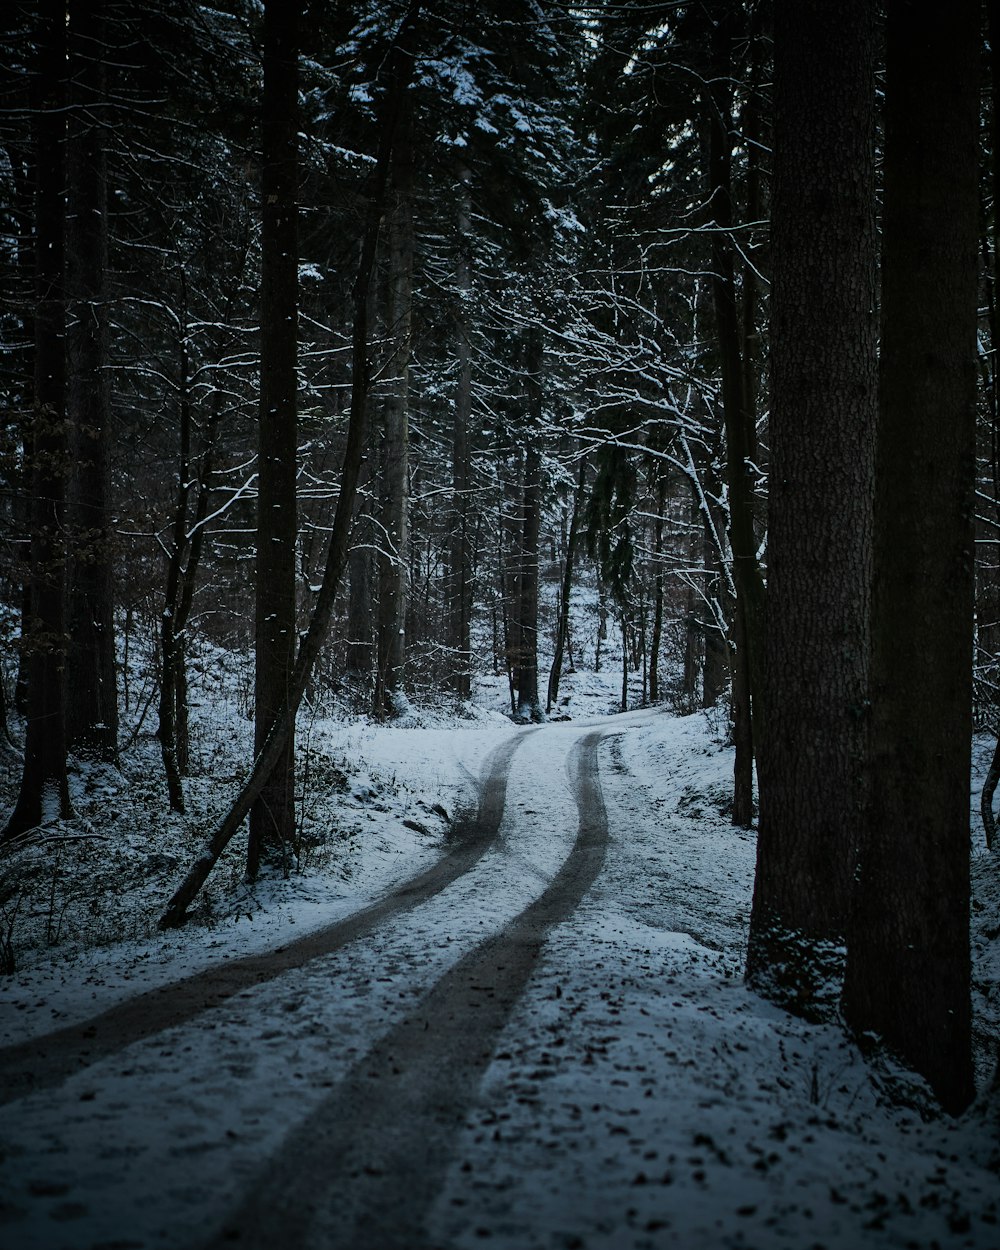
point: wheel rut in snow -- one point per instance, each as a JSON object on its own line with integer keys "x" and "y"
{"x": 44, "y": 1061}
{"x": 365, "y": 1167}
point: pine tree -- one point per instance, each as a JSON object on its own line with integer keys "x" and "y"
{"x": 272, "y": 818}
{"x": 44, "y": 787}
{"x": 908, "y": 954}
{"x": 823, "y": 404}
{"x": 92, "y": 704}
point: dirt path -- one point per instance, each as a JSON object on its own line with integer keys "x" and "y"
{"x": 47, "y": 1060}
{"x": 366, "y": 1166}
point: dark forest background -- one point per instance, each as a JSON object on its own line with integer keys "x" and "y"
{"x": 331, "y": 332}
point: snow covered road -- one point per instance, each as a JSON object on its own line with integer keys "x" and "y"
{"x": 389, "y": 1129}
{"x": 40, "y": 1062}
{"x": 553, "y": 1050}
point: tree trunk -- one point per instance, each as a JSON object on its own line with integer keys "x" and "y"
{"x": 92, "y": 695}
{"x": 509, "y": 533}
{"x": 562, "y": 628}
{"x": 359, "y": 661}
{"x": 602, "y": 622}
{"x": 747, "y": 626}
{"x": 623, "y": 623}
{"x": 657, "y": 632}
{"x": 528, "y": 704}
{"x": 182, "y": 713}
{"x": 460, "y": 544}
{"x": 753, "y": 143}
{"x": 986, "y": 799}
{"x": 393, "y": 553}
{"x": 171, "y": 627}
{"x": 398, "y": 73}
{"x": 908, "y": 954}
{"x": 182, "y": 569}
{"x": 742, "y": 721}
{"x": 715, "y": 672}
{"x": 44, "y": 637}
{"x": 21, "y": 207}
{"x": 823, "y": 407}
{"x": 272, "y": 820}
{"x": 987, "y": 589}
{"x": 7, "y": 747}
{"x": 170, "y": 660}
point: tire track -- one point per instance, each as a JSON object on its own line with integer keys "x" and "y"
{"x": 366, "y": 1166}
{"x": 50, "y": 1058}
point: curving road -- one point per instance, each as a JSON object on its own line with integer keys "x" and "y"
{"x": 365, "y": 1167}
{"x": 384, "y": 1070}
{"x": 44, "y": 1061}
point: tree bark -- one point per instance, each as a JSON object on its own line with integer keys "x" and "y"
{"x": 171, "y": 627}
{"x": 657, "y": 631}
{"x": 460, "y": 542}
{"x": 986, "y": 799}
{"x": 823, "y": 410}
{"x": 7, "y": 747}
{"x": 529, "y": 706}
{"x": 92, "y": 694}
{"x": 747, "y": 628}
{"x": 987, "y": 631}
{"x": 562, "y": 628}
{"x": 359, "y": 658}
{"x": 44, "y": 789}
{"x": 272, "y": 819}
{"x": 509, "y": 538}
{"x": 623, "y": 625}
{"x": 393, "y": 558}
{"x": 908, "y": 955}
{"x": 739, "y": 648}
{"x": 706, "y": 490}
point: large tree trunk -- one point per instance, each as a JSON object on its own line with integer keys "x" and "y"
{"x": 44, "y": 791}
{"x": 21, "y": 358}
{"x": 272, "y": 819}
{"x": 823, "y": 408}
{"x": 987, "y": 588}
{"x": 460, "y": 540}
{"x": 908, "y": 954}
{"x": 92, "y": 695}
{"x": 393, "y": 559}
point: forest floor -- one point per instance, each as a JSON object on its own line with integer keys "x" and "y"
{"x": 517, "y": 1021}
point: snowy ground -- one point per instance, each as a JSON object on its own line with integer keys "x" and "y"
{"x": 638, "y": 1097}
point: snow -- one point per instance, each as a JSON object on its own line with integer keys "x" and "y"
{"x": 638, "y": 1097}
